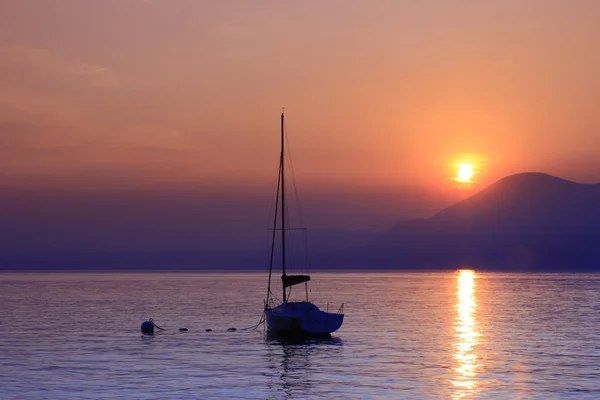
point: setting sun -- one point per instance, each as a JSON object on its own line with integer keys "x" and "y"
{"x": 465, "y": 172}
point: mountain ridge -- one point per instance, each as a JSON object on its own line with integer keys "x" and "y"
{"x": 526, "y": 221}
{"x": 522, "y": 222}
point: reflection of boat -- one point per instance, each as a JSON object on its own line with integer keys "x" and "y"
{"x": 294, "y": 363}
{"x": 296, "y": 318}
{"x": 274, "y": 338}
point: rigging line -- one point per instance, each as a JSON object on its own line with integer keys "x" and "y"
{"x": 275, "y": 297}
{"x": 273, "y": 203}
{"x": 294, "y": 184}
{"x": 286, "y": 245}
{"x": 300, "y": 211}
{"x": 269, "y": 217}
{"x": 306, "y": 253}
{"x": 273, "y": 237}
{"x": 283, "y": 209}
{"x": 288, "y": 248}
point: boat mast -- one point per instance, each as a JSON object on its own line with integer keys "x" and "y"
{"x": 282, "y": 207}
{"x": 273, "y": 238}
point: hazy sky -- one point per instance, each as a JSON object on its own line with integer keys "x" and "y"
{"x": 379, "y": 95}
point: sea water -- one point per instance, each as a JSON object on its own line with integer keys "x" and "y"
{"x": 452, "y": 335}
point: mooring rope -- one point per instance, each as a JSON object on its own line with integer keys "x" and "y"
{"x": 262, "y": 319}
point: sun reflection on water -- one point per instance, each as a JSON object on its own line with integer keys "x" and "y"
{"x": 465, "y": 335}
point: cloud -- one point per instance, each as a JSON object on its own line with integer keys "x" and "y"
{"x": 34, "y": 152}
{"x": 50, "y": 94}
{"x": 230, "y": 31}
{"x": 57, "y": 118}
{"x": 42, "y": 65}
{"x": 236, "y": 42}
{"x": 136, "y": 138}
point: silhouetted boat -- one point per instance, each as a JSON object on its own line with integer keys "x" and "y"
{"x": 297, "y": 318}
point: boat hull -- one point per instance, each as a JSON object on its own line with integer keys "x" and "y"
{"x": 302, "y": 319}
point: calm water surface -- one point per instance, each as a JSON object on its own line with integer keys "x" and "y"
{"x": 406, "y": 335}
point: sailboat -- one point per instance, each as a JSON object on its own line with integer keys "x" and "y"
{"x": 293, "y": 318}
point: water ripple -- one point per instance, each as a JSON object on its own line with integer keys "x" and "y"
{"x": 406, "y": 335}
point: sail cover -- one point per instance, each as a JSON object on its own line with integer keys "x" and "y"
{"x": 291, "y": 280}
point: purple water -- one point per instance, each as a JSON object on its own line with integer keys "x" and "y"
{"x": 406, "y": 335}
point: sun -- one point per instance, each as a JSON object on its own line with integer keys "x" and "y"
{"x": 465, "y": 172}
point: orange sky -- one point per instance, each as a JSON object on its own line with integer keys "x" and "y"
{"x": 378, "y": 95}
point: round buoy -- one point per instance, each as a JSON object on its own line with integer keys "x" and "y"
{"x": 209, "y": 330}
{"x": 147, "y": 327}
{"x": 183, "y": 329}
{"x": 231, "y": 330}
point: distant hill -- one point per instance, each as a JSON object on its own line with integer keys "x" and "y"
{"x": 524, "y": 222}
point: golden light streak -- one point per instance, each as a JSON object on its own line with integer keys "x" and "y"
{"x": 466, "y": 335}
